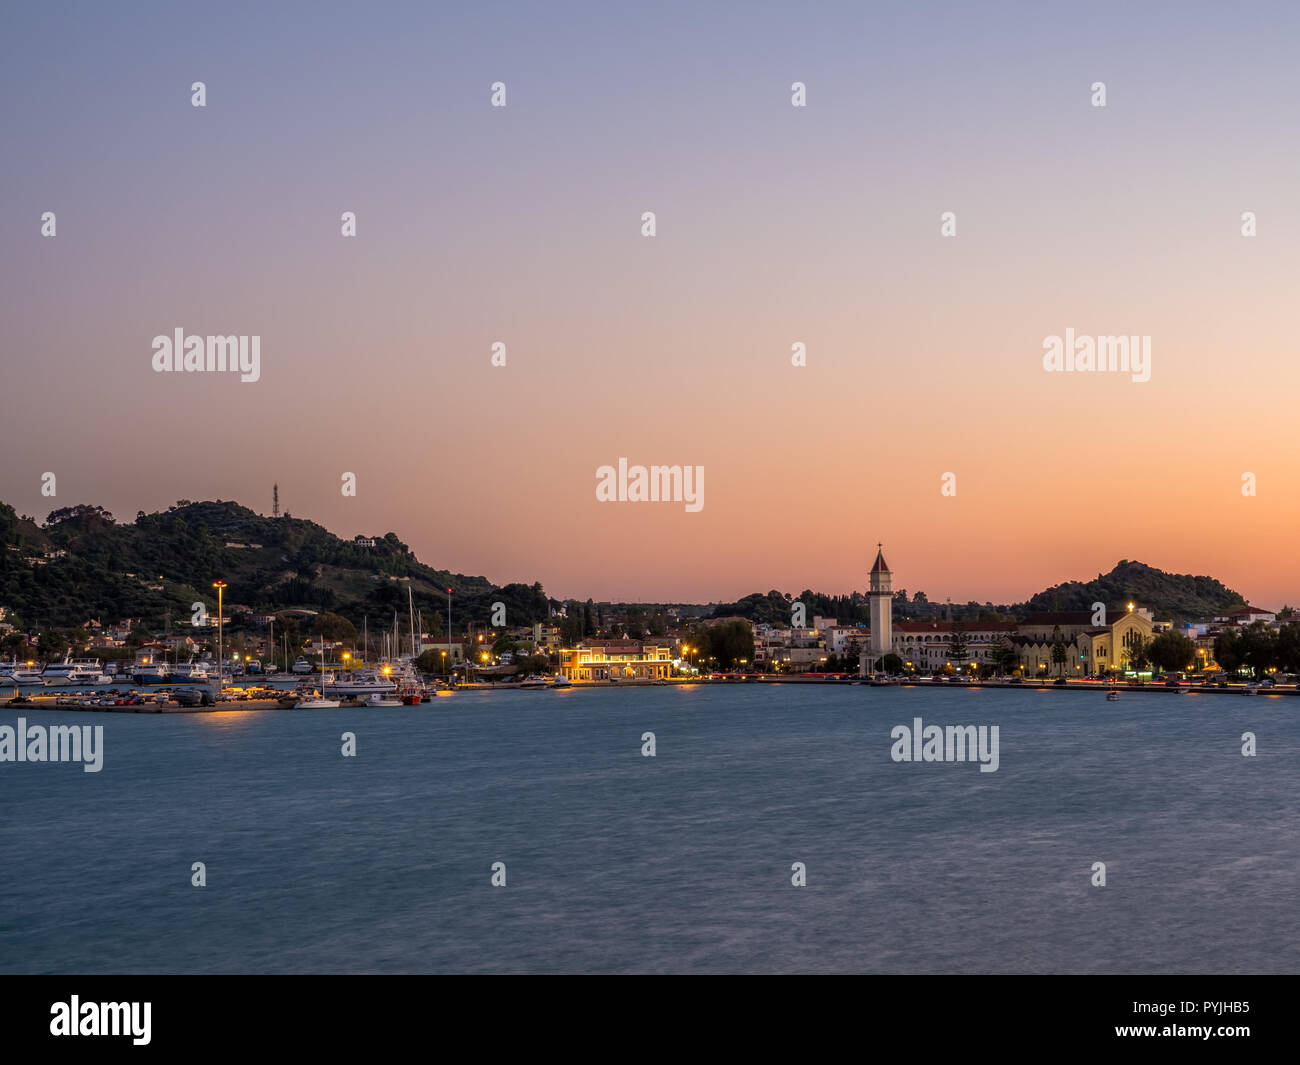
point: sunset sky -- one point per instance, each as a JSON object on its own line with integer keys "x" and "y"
{"x": 776, "y": 224}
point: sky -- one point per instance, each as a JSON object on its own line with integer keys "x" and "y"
{"x": 775, "y": 225}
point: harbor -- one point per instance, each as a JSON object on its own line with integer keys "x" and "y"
{"x": 292, "y": 694}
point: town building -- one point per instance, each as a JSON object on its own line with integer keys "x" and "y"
{"x": 593, "y": 660}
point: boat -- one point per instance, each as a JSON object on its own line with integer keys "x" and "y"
{"x": 354, "y": 685}
{"x": 1112, "y": 697}
{"x": 380, "y": 699}
{"x": 561, "y": 683}
{"x": 1250, "y": 689}
{"x": 318, "y": 701}
{"x": 409, "y": 693}
{"x": 81, "y": 671}
{"x": 303, "y": 666}
{"x": 534, "y": 683}
{"x": 190, "y": 672}
{"x": 1180, "y": 691}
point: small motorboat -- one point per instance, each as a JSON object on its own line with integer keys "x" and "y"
{"x": 379, "y": 699}
{"x": 1112, "y": 697}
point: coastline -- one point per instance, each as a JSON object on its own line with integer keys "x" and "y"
{"x": 236, "y": 705}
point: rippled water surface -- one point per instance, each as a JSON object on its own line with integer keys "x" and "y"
{"x": 617, "y": 862}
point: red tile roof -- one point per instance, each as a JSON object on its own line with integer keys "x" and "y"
{"x": 947, "y": 626}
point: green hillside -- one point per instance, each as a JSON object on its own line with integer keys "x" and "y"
{"x": 1170, "y": 596}
{"x": 1173, "y": 595}
{"x": 162, "y": 563}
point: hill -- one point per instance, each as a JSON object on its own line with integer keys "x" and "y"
{"x": 1169, "y": 595}
{"x": 83, "y": 563}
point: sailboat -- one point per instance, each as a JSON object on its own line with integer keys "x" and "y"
{"x": 320, "y": 703}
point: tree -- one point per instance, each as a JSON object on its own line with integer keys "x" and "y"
{"x": 957, "y": 648}
{"x": 431, "y": 661}
{"x": 1228, "y": 651}
{"x": 1003, "y": 655}
{"x": 726, "y": 643}
{"x": 1059, "y": 654}
{"x": 1138, "y": 654}
{"x": 892, "y": 664}
{"x": 1259, "y": 648}
{"x": 1288, "y": 647}
{"x": 335, "y": 627}
{"x": 1171, "y": 652}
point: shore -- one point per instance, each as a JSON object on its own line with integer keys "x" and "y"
{"x": 236, "y": 705}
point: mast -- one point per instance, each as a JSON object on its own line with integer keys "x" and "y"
{"x": 410, "y": 606}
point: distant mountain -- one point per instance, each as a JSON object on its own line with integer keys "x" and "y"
{"x": 82, "y": 564}
{"x": 1176, "y": 595}
{"x": 1167, "y": 595}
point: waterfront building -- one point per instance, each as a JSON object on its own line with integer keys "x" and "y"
{"x": 1091, "y": 649}
{"x": 927, "y": 646}
{"x": 594, "y": 660}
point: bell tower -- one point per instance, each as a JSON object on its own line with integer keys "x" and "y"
{"x": 881, "y": 596}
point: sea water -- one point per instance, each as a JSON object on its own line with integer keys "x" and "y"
{"x": 686, "y": 861}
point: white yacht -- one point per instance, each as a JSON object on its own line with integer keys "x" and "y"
{"x": 379, "y": 699}
{"x": 367, "y": 682}
{"x": 319, "y": 700}
{"x": 80, "y": 671}
{"x": 302, "y": 666}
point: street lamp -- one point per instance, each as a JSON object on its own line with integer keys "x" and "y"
{"x": 220, "y": 586}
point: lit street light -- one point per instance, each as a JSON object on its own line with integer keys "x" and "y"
{"x": 220, "y": 586}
